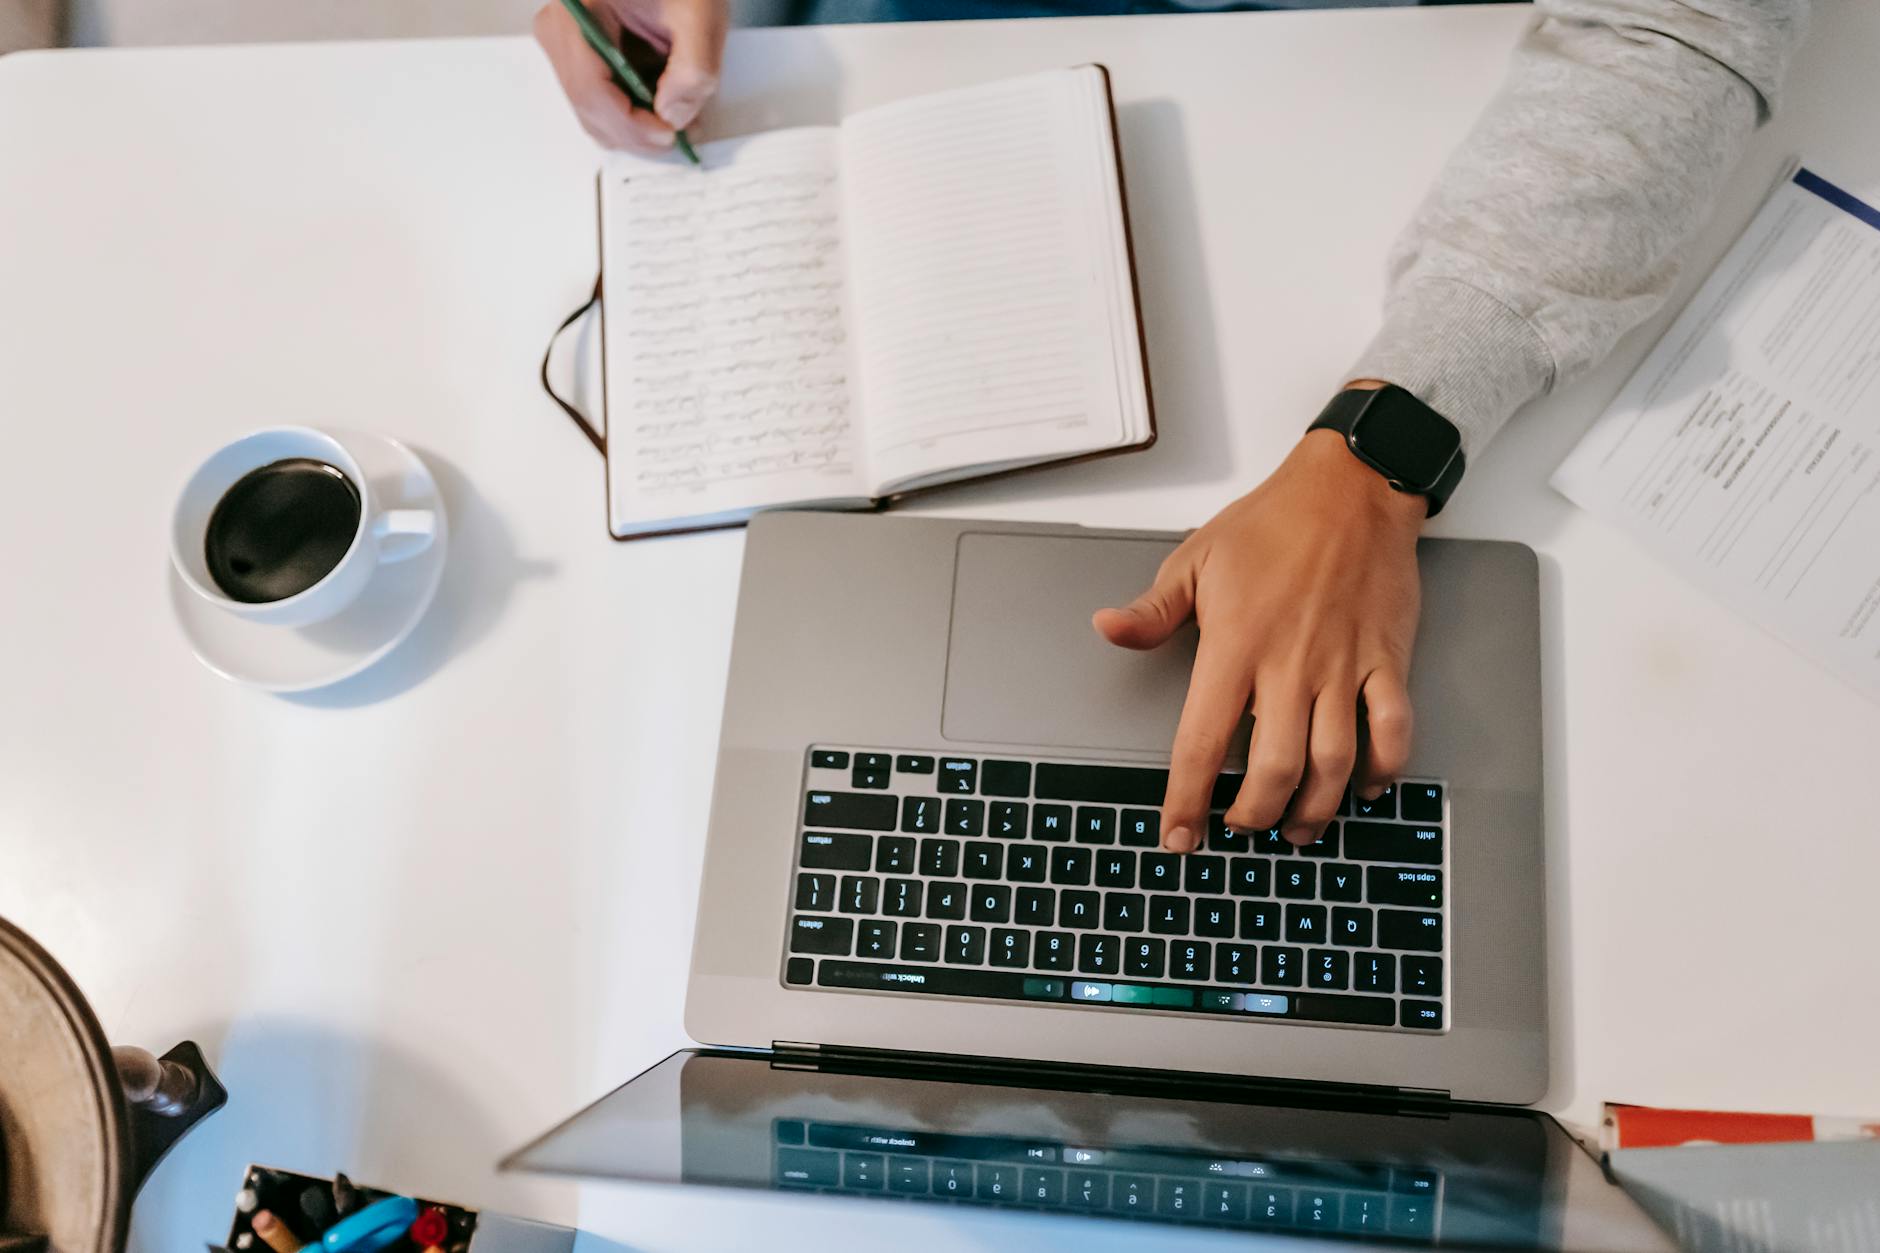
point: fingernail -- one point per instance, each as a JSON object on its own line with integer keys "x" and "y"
{"x": 1300, "y": 835}
{"x": 1180, "y": 840}
{"x": 678, "y": 111}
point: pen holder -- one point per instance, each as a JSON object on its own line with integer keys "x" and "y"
{"x": 281, "y": 1211}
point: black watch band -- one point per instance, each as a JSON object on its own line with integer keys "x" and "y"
{"x": 1415, "y": 448}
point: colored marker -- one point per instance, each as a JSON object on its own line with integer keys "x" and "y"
{"x": 275, "y": 1233}
{"x": 372, "y": 1228}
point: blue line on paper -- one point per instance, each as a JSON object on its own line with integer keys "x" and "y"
{"x": 1811, "y": 181}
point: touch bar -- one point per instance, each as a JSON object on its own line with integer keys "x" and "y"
{"x": 1011, "y": 986}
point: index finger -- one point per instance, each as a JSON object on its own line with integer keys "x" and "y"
{"x": 1217, "y": 694}
{"x": 617, "y": 122}
{"x": 602, "y": 108}
{"x": 1387, "y": 727}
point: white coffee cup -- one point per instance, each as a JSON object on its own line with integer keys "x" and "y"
{"x": 383, "y": 536}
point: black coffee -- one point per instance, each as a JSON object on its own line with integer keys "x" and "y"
{"x": 281, "y": 529}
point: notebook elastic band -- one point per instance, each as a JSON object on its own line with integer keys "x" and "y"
{"x": 594, "y": 437}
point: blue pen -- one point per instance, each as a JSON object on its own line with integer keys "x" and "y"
{"x": 372, "y": 1228}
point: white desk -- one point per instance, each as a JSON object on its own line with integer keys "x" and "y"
{"x": 418, "y": 918}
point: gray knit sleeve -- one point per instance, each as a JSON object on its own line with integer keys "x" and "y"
{"x": 1559, "y": 223}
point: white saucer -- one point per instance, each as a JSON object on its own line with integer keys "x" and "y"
{"x": 298, "y": 659}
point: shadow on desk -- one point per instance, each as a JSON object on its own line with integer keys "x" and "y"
{"x": 480, "y": 573}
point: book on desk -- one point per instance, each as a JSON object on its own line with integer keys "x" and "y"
{"x": 935, "y": 290}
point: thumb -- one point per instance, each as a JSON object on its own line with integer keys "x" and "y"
{"x": 691, "y": 73}
{"x": 1153, "y": 616}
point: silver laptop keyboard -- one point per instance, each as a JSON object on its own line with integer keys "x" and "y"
{"x": 1042, "y": 880}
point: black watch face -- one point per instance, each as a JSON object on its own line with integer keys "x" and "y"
{"x": 1406, "y": 439}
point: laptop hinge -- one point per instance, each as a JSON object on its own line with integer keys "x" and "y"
{"x": 794, "y": 1054}
{"x": 944, "y": 1067}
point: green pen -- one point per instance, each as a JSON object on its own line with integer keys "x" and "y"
{"x": 624, "y": 74}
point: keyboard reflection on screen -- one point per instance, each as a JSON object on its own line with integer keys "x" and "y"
{"x": 1341, "y": 1198}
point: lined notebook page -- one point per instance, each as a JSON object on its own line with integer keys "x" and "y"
{"x": 728, "y": 366}
{"x": 985, "y": 275}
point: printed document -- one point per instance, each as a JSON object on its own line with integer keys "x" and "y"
{"x": 1743, "y": 451}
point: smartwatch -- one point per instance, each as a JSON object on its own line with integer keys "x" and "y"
{"x": 1415, "y": 448}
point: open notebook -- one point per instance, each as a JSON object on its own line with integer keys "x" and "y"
{"x": 935, "y": 290}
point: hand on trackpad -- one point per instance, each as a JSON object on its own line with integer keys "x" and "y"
{"x": 1023, "y": 665}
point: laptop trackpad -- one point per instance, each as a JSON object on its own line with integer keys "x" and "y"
{"x": 1024, "y": 665}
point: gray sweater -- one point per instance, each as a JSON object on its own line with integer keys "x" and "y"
{"x": 1559, "y": 223}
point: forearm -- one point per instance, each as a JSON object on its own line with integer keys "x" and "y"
{"x": 1560, "y": 222}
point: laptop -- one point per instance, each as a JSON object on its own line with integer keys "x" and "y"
{"x": 932, "y": 888}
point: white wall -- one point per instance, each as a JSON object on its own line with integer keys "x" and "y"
{"x": 245, "y": 21}
{"x": 126, "y": 22}
{"x": 28, "y": 24}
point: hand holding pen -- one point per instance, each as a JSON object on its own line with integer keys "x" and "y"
{"x": 614, "y": 101}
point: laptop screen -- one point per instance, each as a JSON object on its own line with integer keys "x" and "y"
{"x": 1451, "y": 1176}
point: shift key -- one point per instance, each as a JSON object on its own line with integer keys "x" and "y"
{"x": 1393, "y": 841}
{"x": 850, "y": 809}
